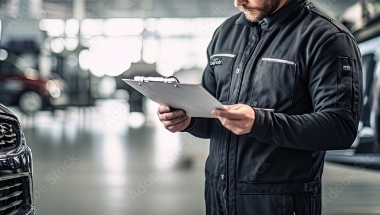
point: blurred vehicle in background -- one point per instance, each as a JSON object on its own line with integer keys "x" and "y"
{"x": 362, "y": 19}
{"x": 16, "y": 180}
{"x": 135, "y": 98}
{"x": 23, "y": 87}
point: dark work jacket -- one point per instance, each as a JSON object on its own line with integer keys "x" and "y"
{"x": 300, "y": 70}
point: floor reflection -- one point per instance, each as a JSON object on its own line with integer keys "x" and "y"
{"x": 124, "y": 169}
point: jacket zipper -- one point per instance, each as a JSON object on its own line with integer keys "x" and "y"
{"x": 226, "y": 191}
{"x": 226, "y": 194}
{"x": 246, "y": 61}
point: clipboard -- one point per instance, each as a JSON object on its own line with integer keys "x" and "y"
{"x": 193, "y": 98}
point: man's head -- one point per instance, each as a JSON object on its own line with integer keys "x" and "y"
{"x": 256, "y": 10}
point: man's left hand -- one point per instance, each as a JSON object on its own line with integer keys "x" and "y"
{"x": 237, "y": 118}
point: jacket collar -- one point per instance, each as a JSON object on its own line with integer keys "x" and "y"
{"x": 274, "y": 20}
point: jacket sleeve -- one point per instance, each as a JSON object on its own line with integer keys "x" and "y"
{"x": 335, "y": 86}
{"x": 201, "y": 127}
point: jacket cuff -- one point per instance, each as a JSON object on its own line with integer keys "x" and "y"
{"x": 258, "y": 125}
{"x": 191, "y": 126}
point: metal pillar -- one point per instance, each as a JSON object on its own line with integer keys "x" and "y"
{"x": 79, "y": 9}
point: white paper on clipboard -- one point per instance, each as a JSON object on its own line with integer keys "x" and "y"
{"x": 193, "y": 98}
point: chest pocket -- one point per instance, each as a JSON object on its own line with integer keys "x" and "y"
{"x": 222, "y": 65}
{"x": 273, "y": 84}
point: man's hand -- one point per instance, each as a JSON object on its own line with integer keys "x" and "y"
{"x": 174, "y": 121}
{"x": 237, "y": 118}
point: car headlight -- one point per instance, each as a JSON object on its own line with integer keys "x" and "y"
{"x": 10, "y": 134}
{"x": 53, "y": 89}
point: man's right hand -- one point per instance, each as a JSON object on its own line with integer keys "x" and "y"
{"x": 173, "y": 120}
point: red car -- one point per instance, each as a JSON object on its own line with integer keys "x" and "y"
{"x": 21, "y": 86}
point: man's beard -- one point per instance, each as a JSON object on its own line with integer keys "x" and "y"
{"x": 256, "y": 14}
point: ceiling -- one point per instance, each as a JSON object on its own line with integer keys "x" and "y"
{"x": 164, "y": 8}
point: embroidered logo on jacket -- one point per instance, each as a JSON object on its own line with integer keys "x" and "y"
{"x": 216, "y": 62}
{"x": 347, "y": 68}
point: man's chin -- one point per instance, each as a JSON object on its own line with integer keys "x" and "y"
{"x": 252, "y": 18}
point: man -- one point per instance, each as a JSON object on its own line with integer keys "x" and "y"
{"x": 290, "y": 77}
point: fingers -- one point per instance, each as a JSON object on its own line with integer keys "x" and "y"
{"x": 171, "y": 115}
{"x": 179, "y": 126}
{"x": 174, "y": 121}
{"x": 227, "y": 122}
{"x": 228, "y": 114}
{"x": 237, "y": 118}
{"x": 238, "y": 111}
{"x": 164, "y": 109}
{"x": 238, "y": 127}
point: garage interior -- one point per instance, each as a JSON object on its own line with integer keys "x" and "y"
{"x": 101, "y": 154}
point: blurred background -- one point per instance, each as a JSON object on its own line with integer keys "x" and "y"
{"x": 98, "y": 146}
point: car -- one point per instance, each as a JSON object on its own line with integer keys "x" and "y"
{"x": 135, "y": 98}
{"x": 23, "y": 87}
{"x": 16, "y": 179}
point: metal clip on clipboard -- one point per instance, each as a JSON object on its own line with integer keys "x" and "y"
{"x": 168, "y": 80}
{"x": 193, "y": 98}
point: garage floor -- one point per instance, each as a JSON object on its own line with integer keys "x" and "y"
{"x": 97, "y": 162}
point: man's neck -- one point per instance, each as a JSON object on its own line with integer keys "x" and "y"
{"x": 282, "y": 3}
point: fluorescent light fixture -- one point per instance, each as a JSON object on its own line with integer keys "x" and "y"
{"x": 92, "y": 27}
{"x": 168, "y": 27}
{"x": 123, "y": 27}
{"x": 150, "y": 50}
{"x": 72, "y": 27}
{"x": 57, "y": 45}
{"x": 151, "y": 24}
{"x": 171, "y": 27}
{"x": 71, "y": 43}
{"x": 112, "y": 56}
{"x": 53, "y": 27}
{"x": 84, "y": 61}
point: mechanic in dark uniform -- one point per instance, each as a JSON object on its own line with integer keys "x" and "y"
{"x": 290, "y": 77}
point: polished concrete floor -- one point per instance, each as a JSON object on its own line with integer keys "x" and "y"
{"x": 101, "y": 161}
